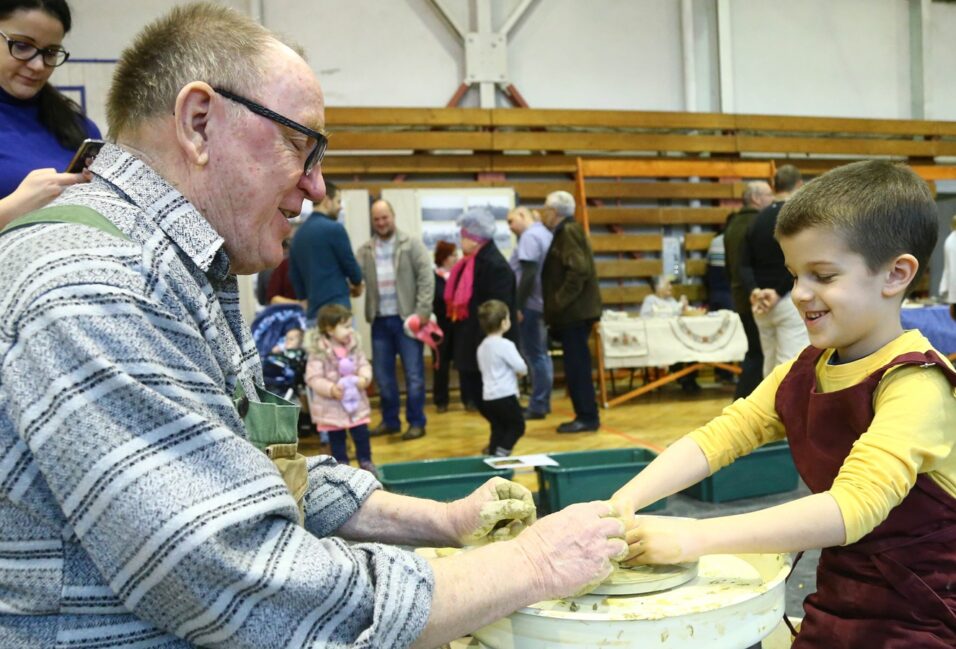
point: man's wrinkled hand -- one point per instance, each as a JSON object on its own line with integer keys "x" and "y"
{"x": 572, "y": 551}
{"x": 662, "y": 540}
{"x": 497, "y": 511}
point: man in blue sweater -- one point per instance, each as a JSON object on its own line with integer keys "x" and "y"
{"x": 322, "y": 265}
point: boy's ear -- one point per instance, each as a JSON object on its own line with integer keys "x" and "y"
{"x": 899, "y": 275}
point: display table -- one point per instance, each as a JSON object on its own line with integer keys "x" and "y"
{"x": 716, "y": 338}
{"x": 935, "y": 323}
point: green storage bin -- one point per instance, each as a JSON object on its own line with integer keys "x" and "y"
{"x": 768, "y": 470}
{"x": 447, "y": 479}
{"x": 583, "y": 476}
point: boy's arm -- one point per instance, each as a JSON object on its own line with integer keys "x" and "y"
{"x": 810, "y": 522}
{"x": 681, "y": 465}
{"x": 515, "y": 361}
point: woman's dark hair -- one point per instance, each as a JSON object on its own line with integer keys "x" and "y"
{"x": 58, "y": 113}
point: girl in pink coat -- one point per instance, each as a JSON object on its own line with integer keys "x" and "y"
{"x": 337, "y": 375}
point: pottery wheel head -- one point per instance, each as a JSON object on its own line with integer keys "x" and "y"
{"x": 637, "y": 580}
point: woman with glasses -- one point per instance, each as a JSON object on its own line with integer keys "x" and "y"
{"x": 39, "y": 127}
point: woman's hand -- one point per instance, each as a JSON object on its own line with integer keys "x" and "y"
{"x": 36, "y": 190}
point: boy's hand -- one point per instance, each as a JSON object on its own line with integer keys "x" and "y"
{"x": 662, "y": 540}
{"x": 497, "y": 510}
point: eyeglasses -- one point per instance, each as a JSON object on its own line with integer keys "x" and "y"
{"x": 53, "y": 57}
{"x": 321, "y": 139}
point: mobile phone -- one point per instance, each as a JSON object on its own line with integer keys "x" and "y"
{"x": 84, "y": 155}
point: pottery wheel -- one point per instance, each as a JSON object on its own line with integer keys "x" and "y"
{"x": 637, "y": 580}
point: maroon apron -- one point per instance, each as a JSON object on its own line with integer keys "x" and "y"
{"x": 896, "y": 587}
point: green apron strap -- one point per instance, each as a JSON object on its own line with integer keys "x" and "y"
{"x": 271, "y": 420}
{"x": 67, "y": 214}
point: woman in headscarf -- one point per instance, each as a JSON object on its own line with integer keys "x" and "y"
{"x": 482, "y": 274}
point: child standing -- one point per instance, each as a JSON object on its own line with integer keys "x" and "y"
{"x": 500, "y": 365}
{"x": 870, "y": 413}
{"x": 337, "y": 375}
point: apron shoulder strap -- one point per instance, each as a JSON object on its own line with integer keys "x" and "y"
{"x": 67, "y": 214}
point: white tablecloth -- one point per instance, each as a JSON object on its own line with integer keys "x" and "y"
{"x": 716, "y": 337}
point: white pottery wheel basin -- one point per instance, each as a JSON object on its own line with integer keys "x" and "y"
{"x": 735, "y": 601}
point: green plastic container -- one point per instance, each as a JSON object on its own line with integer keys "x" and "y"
{"x": 447, "y": 479}
{"x": 768, "y": 470}
{"x": 583, "y": 476}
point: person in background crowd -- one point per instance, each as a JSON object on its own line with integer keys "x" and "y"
{"x": 757, "y": 196}
{"x": 481, "y": 274}
{"x": 445, "y": 259}
{"x": 572, "y": 304}
{"x": 662, "y": 304}
{"x": 500, "y": 365}
{"x": 767, "y": 280}
{"x": 947, "y": 284}
{"x": 526, "y": 261}
{"x": 139, "y": 503}
{"x": 40, "y": 128}
{"x": 338, "y": 374}
{"x": 401, "y": 282}
{"x": 322, "y": 267}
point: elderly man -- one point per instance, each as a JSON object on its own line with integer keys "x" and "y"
{"x": 136, "y": 507}
{"x": 757, "y": 196}
{"x": 527, "y": 260}
{"x": 572, "y": 304}
{"x": 398, "y": 274}
{"x": 765, "y": 277}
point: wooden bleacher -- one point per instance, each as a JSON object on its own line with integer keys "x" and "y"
{"x": 638, "y": 175}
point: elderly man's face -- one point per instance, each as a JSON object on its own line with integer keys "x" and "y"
{"x": 383, "y": 220}
{"x": 259, "y": 181}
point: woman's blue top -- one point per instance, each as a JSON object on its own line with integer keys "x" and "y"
{"x": 26, "y": 145}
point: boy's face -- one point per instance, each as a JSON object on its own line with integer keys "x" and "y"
{"x": 844, "y": 306}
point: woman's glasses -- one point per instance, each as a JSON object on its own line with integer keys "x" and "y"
{"x": 23, "y": 51}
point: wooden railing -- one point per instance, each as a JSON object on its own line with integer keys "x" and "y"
{"x": 646, "y": 172}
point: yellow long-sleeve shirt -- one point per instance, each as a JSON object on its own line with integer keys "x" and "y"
{"x": 913, "y": 431}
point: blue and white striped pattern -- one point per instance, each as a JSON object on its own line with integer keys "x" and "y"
{"x": 132, "y": 511}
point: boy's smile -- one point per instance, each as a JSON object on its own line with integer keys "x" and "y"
{"x": 844, "y": 306}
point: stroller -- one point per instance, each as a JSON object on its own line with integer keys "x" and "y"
{"x": 283, "y": 364}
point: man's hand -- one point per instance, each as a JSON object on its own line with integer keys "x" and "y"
{"x": 662, "y": 539}
{"x": 762, "y": 300}
{"x": 572, "y": 551}
{"x": 355, "y": 290}
{"x": 498, "y": 510}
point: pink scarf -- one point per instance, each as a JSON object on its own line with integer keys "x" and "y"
{"x": 460, "y": 284}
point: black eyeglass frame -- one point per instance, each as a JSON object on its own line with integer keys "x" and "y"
{"x": 315, "y": 156}
{"x": 42, "y": 52}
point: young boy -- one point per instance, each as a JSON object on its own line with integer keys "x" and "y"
{"x": 870, "y": 413}
{"x": 500, "y": 365}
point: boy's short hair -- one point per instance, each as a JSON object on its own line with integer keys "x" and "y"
{"x": 881, "y": 209}
{"x": 491, "y": 314}
{"x": 331, "y": 315}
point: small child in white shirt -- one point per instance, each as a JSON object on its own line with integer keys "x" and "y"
{"x": 500, "y": 365}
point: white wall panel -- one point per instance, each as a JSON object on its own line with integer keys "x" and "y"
{"x": 848, "y": 58}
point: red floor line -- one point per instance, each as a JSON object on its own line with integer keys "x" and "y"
{"x": 634, "y": 440}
